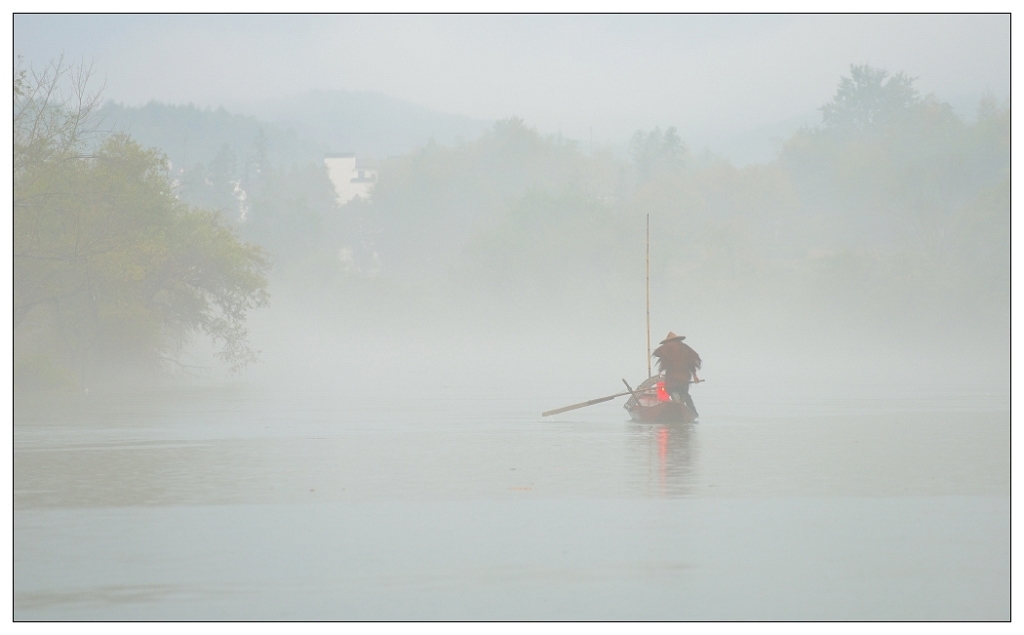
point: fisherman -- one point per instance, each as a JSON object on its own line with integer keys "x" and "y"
{"x": 678, "y": 363}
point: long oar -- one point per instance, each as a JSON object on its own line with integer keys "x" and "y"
{"x": 584, "y": 404}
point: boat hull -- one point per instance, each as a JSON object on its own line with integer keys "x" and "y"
{"x": 665, "y": 412}
{"x": 645, "y": 406}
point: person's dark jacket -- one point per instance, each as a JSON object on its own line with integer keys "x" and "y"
{"x": 678, "y": 362}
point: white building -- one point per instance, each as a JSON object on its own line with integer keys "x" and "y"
{"x": 349, "y": 182}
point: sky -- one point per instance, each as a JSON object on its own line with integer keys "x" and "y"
{"x": 588, "y": 76}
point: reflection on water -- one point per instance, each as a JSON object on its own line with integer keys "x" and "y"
{"x": 253, "y": 503}
{"x": 669, "y": 451}
{"x": 126, "y": 474}
{"x": 100, "y": 596}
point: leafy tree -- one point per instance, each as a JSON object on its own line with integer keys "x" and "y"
{"x": 111, "y": 270}
{"x": 293, "y": 213}
{"x": 428, "y": 203}
{"x": 656, "y": 152}
{"x": 870, "y": 98}
{"x": 909, "y": 201}
{"x": 548, "y": 246}
{"x": 217, "y": 186}
{"x": 889, "y": 165}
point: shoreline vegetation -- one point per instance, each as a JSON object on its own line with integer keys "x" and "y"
{"x": 889, "y": 220}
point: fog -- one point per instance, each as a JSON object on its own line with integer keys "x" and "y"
{"x": 712, "y": 76}
{"x": 333, "y": 268}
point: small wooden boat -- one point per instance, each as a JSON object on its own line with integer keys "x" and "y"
{"x": 650, "y": 403}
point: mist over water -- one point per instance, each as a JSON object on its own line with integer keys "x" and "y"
{"x": 253, "y": 398}
{"x": 403, "y": 478}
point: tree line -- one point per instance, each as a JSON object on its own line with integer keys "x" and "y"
{"x": 113, "y": 273}
{"x": 893, "y": 206}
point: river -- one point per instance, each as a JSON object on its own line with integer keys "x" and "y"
{"x": 266, "y": 499}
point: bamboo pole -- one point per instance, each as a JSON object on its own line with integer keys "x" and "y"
{"x": 648, "y": 285}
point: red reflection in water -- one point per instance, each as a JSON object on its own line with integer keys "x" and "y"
{"x": 662, "y": 456}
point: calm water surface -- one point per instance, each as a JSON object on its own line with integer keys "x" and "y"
{"x": 253, "y": 501}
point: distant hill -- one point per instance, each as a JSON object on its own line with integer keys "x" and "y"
{"x": 191, "y": 135}
{"x": 296, "y": 130}
{"x": 368, "y": 124}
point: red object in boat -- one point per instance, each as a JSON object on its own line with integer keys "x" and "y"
{"x": 662, "y": 395}
{"x": 655, "y": 405}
